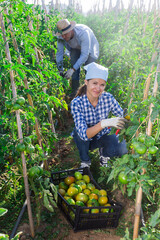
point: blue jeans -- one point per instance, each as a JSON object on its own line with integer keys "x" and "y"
{"x": 75, "y": 54}
{"x": 109, "y": 145}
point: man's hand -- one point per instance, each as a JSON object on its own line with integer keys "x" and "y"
{"x": 69, "y": 73}
{"x": 117, "y": 122}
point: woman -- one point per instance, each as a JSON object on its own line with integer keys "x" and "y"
{"x": 90, "y": 109}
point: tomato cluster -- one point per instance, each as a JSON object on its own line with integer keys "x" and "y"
{"x": 25, "y": 146}
{"x": 15, "y": 105}
{"x": 144, "y": 143}
{"x": 78, "y": 190}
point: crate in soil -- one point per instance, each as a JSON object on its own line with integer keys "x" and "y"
{"x": 81, "y": 218}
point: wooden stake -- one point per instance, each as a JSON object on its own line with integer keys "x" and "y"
{"x": 137, "y": 212}
{"x": 155, "y": 89}
{"x": 20, "y": 135}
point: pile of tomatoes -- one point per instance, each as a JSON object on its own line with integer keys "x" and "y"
{"x": 78, "y": 190}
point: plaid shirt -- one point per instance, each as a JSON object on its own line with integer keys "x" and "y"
{"x": 85, "y": 115}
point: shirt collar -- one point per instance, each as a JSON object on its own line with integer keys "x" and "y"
{"x": 100, "y": 100}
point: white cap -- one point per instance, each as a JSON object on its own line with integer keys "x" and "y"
{"x": 95, "y": 70}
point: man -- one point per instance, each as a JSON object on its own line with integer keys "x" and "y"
{"x": 82, "y": 45}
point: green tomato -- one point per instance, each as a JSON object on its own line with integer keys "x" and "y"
{"x": 30, "y": 148}
{"x": 27, "y": 140}
{"x": 8, "y": 104}
{"x": 21, "y": 101}
{"x": 141, "y": 138}
{"x": 135, "y": 144}
{"x": 152, "y": 149}
{"x": 16, "y": 106}
{"x": 122, "y": 177}
{"x": 149, "y": 141}
{"x": 35, "y": 172}
{"x": 20, "y": 147}
{"x": 141, "y": 149}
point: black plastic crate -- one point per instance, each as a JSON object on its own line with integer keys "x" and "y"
{"x": 80, "y": 220}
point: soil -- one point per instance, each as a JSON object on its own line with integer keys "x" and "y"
{"x": 64, "y": 155}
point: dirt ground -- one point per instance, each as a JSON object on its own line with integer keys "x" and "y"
{"x": 104, "y": 234}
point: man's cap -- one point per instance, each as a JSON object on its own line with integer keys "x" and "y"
{"x": 95, "y": 70}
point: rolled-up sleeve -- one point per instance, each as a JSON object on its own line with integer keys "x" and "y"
{"x": 85, "y": 43}
{"x": 79, "y": 120}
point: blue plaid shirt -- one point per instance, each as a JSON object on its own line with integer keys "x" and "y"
{"x": 85, "y": 115}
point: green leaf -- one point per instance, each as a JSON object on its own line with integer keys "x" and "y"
{"x": 3, "y": 211}
{"x": 17, "y": 236}
{"x": 4, "y": 236}
{"x": 155, "y": 218}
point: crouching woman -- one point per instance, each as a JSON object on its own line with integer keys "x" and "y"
{"x": 90, "y": 110}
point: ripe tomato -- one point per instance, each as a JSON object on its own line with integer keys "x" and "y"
{"x": 81, "y": 183}
{"x": 69, "y": 180}
{"x": 86, "y": 178}
{"x": 95, "y": 210}
{"x": 96, "y": 191}
{"x": 141, "y": 149}
{"x": 93, "y": 196}
{"x": 102, "y": 200}
{"x": 106, "y": 210}
{"x": 152, "y": 149}
{"x": 122, "y": 177}
{"x": 102, "y": 192}
{"x": 72, "y": 191}
{"x": 86, "y": 191}
{"x": 90, "y": 186}
{"x": 81, "y": 197}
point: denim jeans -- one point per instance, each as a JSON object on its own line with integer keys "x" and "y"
{"x": 109, "y": 145}
{"x": 75, "y": 54}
